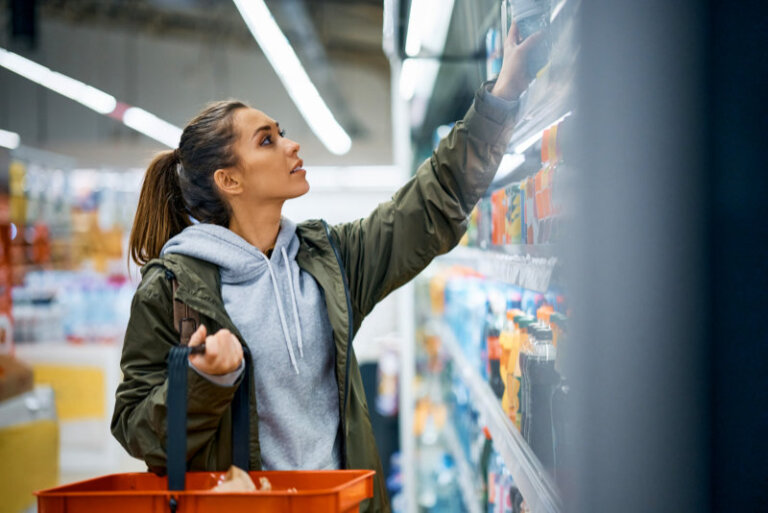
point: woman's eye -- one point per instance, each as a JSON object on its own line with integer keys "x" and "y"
{"x": 268, "y": 139}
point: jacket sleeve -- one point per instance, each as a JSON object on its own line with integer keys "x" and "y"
{"x": 428, "y": 215}
{"x": 139, "y": 419}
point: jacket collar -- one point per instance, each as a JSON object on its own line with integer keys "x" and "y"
{"x": 200, "y": 282}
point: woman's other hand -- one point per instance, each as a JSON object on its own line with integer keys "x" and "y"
{"x": 513, "y": 78}
{"x": 223, "y": 351}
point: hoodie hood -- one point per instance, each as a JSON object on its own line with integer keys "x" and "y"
{"x": 242, "y": 266}
{"x": 237, "y": 259}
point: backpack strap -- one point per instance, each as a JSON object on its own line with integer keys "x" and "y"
{"x": 185, "y": 319}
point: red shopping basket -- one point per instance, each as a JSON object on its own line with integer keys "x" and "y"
{"x": 191, "y": 492}
{"x": 316, "y": 491}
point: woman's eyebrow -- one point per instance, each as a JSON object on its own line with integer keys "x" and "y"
{"x": 265, "y": 127}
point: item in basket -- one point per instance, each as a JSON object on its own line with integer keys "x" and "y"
{"x": 238, "y": 480}
{"x": 266, "y": 486}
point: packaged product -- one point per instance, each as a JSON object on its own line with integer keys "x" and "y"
{"x": 513, "y": 217}
{"x": 499, "y": 215}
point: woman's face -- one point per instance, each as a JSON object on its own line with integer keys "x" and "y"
{"x": 269, "y": 166}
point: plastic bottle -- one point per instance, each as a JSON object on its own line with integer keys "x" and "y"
{"x": 560, "y": 428}
{"x": 525, "y": 328}
{"x": 541, "y": 381}
{"x": 494, "y": 363}
{"x": 532, "y": 16}
{"x": 507, "y": 340}
{"x": 495, "y": 469}
{"x": 483, "y": 463}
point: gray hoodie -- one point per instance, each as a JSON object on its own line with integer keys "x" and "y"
{"x": 293, "y": 358}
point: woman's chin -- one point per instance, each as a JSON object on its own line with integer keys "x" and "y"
{"x": 300, "y": 190}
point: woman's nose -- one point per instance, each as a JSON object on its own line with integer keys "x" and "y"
{"x": 293, "y": 146}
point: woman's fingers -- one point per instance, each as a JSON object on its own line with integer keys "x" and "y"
{"x": 531, "y": 41}
{"x": 198, "y": 337}
{"x": 514, "y": 34}
{"x": 223, "y": 353}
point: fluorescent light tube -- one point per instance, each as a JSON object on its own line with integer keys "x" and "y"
{"x": 428, "y": 23}
{"x": 10, "y": 140}
{"x": 95, "y": 99}
{"x": 91, "y": 97}
{"x": 152, "y": 126}
{"x": 286, "y": 64}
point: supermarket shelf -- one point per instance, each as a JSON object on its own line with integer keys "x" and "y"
{"x": 529, "y": 267}
{"x": 467, "y": 478}
{"x": 530, "y": 477}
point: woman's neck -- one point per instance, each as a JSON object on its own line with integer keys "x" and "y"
{"x": 259, "y": 227}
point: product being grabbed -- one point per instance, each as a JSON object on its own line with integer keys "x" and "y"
{"x": 532, "y": 16}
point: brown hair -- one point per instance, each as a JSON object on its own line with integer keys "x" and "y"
{"x": 179, "y": 183}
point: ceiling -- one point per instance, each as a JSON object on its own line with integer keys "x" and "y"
{"x": 334, "y": 39}
{"x": 342, "y": 25}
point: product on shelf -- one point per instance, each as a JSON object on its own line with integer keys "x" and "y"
{"x": 484, "y": 461}
{"x": 523, "y": 327}
{"x": 513, "y": 219}
{"x": 509, "y": 351}
{"x": 58, "y": 306}
{"x": 498, "y": 216}
{"x": 6, "y": 326}
{"x": 484, "y": 222}
{"x": 560, "y": 430}
{"x": 540, "y": 380}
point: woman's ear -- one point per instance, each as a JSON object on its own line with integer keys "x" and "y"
{"x": 228, "y": 181}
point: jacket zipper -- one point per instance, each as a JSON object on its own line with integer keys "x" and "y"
{"x": 350, "y": 334}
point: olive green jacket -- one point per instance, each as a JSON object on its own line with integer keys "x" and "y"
{"x": 356, "y": 264}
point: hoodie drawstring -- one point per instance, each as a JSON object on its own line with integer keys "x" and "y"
{"x": 293, "y": 297}
{"x": 282, "y": 315}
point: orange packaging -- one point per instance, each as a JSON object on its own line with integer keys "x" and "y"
{"x": 498, "y": 216}
{"x": 512, "y": 376}
{"x": 544, "y": 313}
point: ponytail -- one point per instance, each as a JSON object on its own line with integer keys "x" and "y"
{"x": 179, "y": 183}
{"x": 161, "y": 212}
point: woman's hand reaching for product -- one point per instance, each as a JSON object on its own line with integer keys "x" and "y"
{"x": 223, "y": 351}
{"x": 513, "y": 78}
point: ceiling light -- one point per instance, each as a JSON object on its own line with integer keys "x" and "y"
{"x": 91, "y": 97}
{"x": 152, "y": 126}
{"x": 95, "y": 99}
{"x": 428, "y": 23}
{"x": 10, "y": 140}
{"x": 286, "y": 64}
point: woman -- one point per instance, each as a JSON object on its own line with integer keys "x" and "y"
{"x": 248, "y": 272}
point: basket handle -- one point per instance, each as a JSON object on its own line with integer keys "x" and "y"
{"x": 176, "y": 435}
